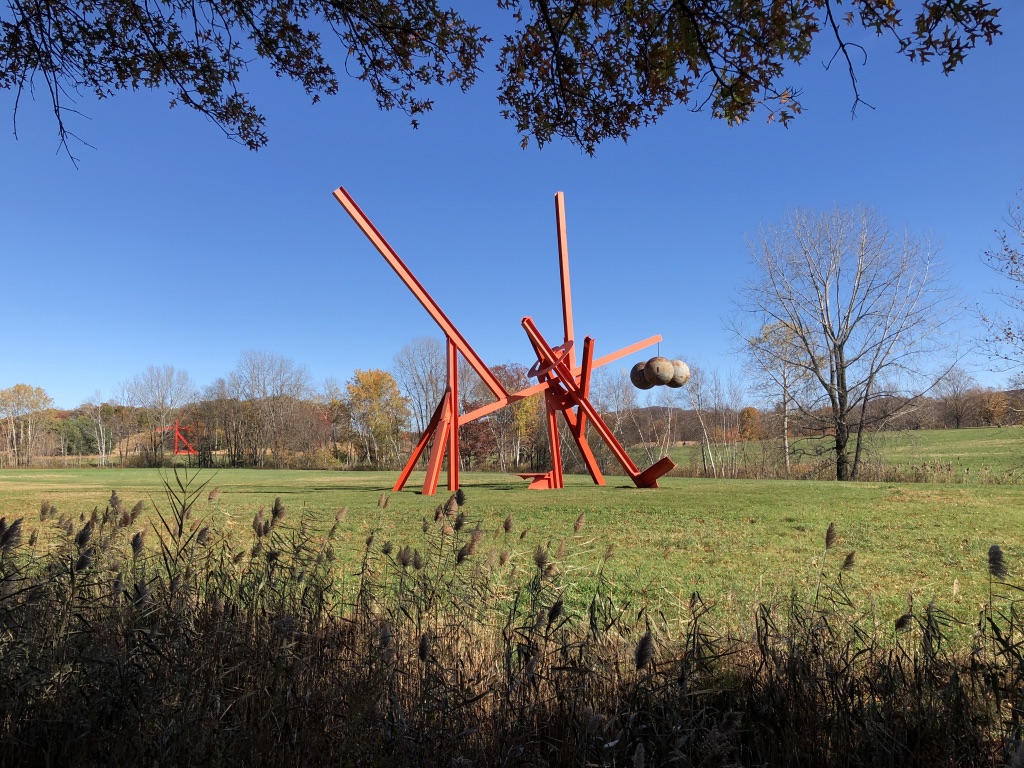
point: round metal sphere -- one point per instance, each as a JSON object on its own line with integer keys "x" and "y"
{"x": 637, "y": 377}
{"x": 659, "y": 370}
{"x": 680, "y": 375}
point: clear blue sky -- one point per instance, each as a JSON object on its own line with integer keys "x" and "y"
{"x": 170, "y": 245}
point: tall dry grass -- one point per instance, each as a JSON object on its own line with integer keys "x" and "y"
{"x": 122, "y": 644}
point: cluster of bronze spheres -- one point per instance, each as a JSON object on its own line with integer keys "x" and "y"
{"x": 659, "y": 371}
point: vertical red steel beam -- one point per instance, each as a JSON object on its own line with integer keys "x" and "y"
{"x": 588, "y": 364}
{"x": 557, "y": 478}
{"x": 563, "y": 273}
{"x": 424, "y": 298}
{"x": 453, "y": 434}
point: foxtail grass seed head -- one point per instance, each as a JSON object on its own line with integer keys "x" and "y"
{"x": 369, "y": 540}
{"x": 45, "y": 511}
{"x": 238, "y": 557}
{"x": 203, "y": 537}
{"x": 447, "y": 530}
{"x": 339, "y": 516}
{"x": 903, "y": 622}
{"x": 523, "y": 534}
{"x": 115, "y": 502}
{"x": 996, "y": 564}
{"x": 451, "y": 506}
{"x": 381, "y": 499}
{"x": 417, "y": 560}
{"x": 214, "y": 494}
{"x": 830, "y": 536}
{"x": 125, "y": 520}
{"x": 850, "y": 561}
{"x": 387, "y": 502}
{"x": 609, "y": 553}
{"x": 424, "y": 647}
{"x": 508, "y": 524}
{"x": 555, "y": 611}
{"x": 580, "y": 522}
{"x": 460, "y": 497}
{"x": 405, "y": 556}
{"x": 137, "y": 510}
{"x": 141, "y": 595}
{"x": 277, "y": 512}
{"x": 438, "y": 512}
{"x": 560, "y": 553}
{"x": 33, "y": 538}
{"x": 85, "y": 559}
{"x": 11, "y": 537}
{"x": 644, "y": 651}
{"x": 84, "y": 535}
{"x": 387, "y": 548}
{"x": 425, "y": 527}
{"x": 460, "y": 521}
{"x": 503, "y": 557}
{"x": 257, "y": 523}
{"x": 540, "y": 556}
{"x": 137, "y": 544}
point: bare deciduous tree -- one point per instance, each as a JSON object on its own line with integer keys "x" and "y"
{"x": 1004, "y": 337}
{"x": 161, "y": 391}
{"x": 420, "y": 368}
{"x": 768, "y": 366}
{"x": 271, "y": 387}
{"x": 955, "y": 392}
{"x": 862, "y": 305}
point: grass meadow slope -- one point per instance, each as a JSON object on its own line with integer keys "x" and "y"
{"x": 737, "y": 542}
{"x": 244, "y": 617}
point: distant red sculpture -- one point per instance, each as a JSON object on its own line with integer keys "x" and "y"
{"x": 182, "y": 447}
{"x": 566, "y": 386}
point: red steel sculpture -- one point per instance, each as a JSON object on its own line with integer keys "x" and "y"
{"x": 565, "y": 386}
{"x": 181, "y": 445}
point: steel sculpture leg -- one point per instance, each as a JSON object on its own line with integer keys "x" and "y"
{"x": 453, "y": 434}
{"x": 646, "y": 479}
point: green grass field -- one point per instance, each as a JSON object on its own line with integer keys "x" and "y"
{"x": 977, "y": 455}
{"x": 734, "y": 541}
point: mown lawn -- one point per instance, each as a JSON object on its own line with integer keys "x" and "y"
{"x": 734, "y": 541}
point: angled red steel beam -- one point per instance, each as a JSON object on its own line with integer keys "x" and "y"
{"x": 420, "y": 446}
{"x": 453, "y": 434}
{"x": 646, "y": 479}
{"x": 563, "y": 273}
{"x": 424, "y": 298}
{"x": 442, "y": 434}
{"x": 534, "y": 389}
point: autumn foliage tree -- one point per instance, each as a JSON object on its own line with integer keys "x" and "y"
{"x": 584, "y": 70}
{"x": 379, "y": 416}
{"x": 21, "y": 409}
{"x": 751, "y": 424}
